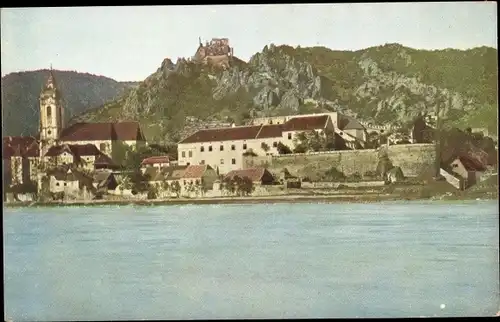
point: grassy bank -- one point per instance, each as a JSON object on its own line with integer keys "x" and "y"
{"x": 337, "y": 198}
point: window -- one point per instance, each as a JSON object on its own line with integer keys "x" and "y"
{"x": 49, "y": 132}
{"x": 221, "y": 161}
{"x": 190, "y": 154}
{"x": 188, "y": 163}
{"x": 210, "y": 148}
{"x": 183, "y": 154}
{"x": 184, "y": 182}
{"x": 244, "y": 146}
{"x": 275, "y": 144}
{"x": 233, "y": 147}
{"x": 233, "y": 161}
{"x": 57, "y": 184}
{"x": 65, "y": 184}
{"x": 202, "y": 149}
{"x": 222, "y": 148}
{"x": 202, "y": 162}
{"x": 197, "y": 181}
{"x": 49, "y": 111}
{"x": 102, "y": 147}
{"x": 289, "y": 136}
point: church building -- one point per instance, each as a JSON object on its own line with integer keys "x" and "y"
{"x": 80, "y": 144}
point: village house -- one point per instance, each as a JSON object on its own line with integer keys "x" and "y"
{"x": 467, "y": 168}
{"x": 223, "y": 148}
{"x": 258, "y": 176}
{"x": 104, "y": 180}
{"x": 346, "y": 126}
{"x": 155, "y": 162}
{"x": 73, "y": 183}
{"x": 191, "y": 179}
{"x": 25, "y": 155}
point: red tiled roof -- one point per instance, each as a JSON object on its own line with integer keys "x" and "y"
{"x": 270, "y": 131}
{"x": 26, "y": 146}
{"x": 195, "y": 171}
{"x": 306, "y": 123}
{"x": 124, "y": 131}
{"x": 254, "y": 174}
{"x": 156, "y": 160}
{"x": 471, "y": 164}
{"x": 224, "y": 134}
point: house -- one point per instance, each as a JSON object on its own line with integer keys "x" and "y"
{"x": 223, "y": 148}
{"x": 259, "y": 176}
{"x": 73, "y": 183}
{"x": 351, "y": 130}
{"x": 467, "y": 168}
{"x": 102, "y": 162}
{"x": 288, "y": 180}
{"x": 104, "y": 180}
{"x": 155, "y": 161}
{"x": 189, "y": 178}
{"x": 346, "y": 126}
{"x": 83, "y": 155}
{"x": 199, "y": 175}
{"x": 25, "y": 155}
{"x": 20, "y": 158}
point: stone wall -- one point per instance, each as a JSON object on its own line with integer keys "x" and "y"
{"x": 414, "y": 160}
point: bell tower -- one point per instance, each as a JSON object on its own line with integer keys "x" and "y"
{"x": 51, "y": 113}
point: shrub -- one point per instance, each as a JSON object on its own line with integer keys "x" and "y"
{"x": 333, "y": 174}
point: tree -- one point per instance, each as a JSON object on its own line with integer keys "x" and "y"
{"x": 329, "y": 141}
{"x": 139, "y": 181}
{"x": 283, "y": 149}
{"x": 265, "y": 147}
{"x": 384, "y": 164}
{"x": 152, "y": 192}
{"x": 229, "y": 185}
{"x": 373, "y": 140}
{"x": 244, "y": 185}
{"x": 175, "y": 187}
{"x": 165, "y": 186}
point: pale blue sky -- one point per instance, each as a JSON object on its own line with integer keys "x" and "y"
{"x": 129, "y": 43}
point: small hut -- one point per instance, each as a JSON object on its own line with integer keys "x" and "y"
{"x": 288, "y": 180}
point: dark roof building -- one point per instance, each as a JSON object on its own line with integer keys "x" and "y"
{"x": 123, "y": 131}
{"x": 305, "y": 123}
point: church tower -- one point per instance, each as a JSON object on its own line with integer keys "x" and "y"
{"x": 51, "y": 112}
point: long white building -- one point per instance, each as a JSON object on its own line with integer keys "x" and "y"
{"x": 223, "y": 148}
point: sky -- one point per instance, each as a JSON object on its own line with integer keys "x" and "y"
{"x": 130, "y": 43}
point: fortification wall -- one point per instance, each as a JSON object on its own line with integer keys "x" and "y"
{"x": 414, "y": 160}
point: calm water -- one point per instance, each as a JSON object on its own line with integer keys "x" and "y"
{"x": 252, "y": 261}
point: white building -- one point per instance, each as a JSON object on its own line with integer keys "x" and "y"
{"x": 223, "y": 148}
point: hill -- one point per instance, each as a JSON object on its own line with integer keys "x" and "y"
{"x": 80, "y": 91}
{"x": 389, "y": 84}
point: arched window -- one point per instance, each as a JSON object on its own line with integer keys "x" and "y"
{"x": 49, "y": 111}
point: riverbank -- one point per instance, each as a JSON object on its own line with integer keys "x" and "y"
{"x": 338, "y": 198}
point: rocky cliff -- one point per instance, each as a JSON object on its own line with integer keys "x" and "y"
{"x": 387, "y": 84}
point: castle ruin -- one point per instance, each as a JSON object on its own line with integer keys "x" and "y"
{"x": 217, "y": 52}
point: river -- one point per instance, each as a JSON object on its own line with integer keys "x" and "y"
{"x": 389, "y": 259}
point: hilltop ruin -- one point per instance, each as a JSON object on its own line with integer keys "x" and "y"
{"x": 217, "y": 52}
